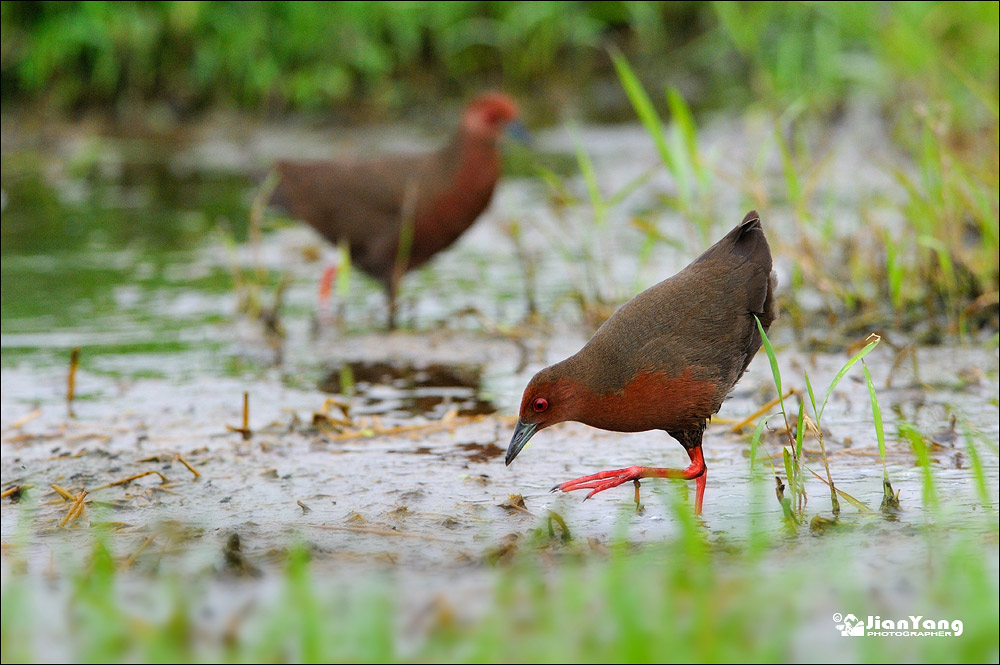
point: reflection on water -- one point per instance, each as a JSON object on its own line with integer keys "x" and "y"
{"x": 431, "y": 389}
{"x": 111, "y": 252}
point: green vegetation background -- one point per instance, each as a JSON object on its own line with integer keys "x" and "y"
{"x": 282, "y": 56}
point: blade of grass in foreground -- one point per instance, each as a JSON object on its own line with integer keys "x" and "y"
{"x": 681, "y": 114}
{"x": 834, "y": 503}
{"x": 799, "y": 427}
{"x": 890, "y": 500}
{"x": 843, "y": 370}
{"x": 919, "y": 443}
{"x": 775, "y": 372}
{"x": 877, "y": 416}
{"x": 755, "y": 441}
{"x": 977, "y": 468}
{"x": 794, "y": 479}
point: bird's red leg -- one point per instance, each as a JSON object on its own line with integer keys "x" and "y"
{"x": 699, "y": 493}
{"x": 605, "y": 480}
{"x": 325, "y": 290}
{"x": 390, "y": 294}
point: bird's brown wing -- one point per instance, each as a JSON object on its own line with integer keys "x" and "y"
{"x": 701, "y": 319}
{"x": 357, "y": 201}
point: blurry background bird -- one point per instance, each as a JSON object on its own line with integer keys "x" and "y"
{"x": 397, "y": 211}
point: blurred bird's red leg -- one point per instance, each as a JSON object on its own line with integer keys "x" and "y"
{"x": 326, "y": 291}
{"x": 605, "y": 480}
{"x": 390, "y": 294}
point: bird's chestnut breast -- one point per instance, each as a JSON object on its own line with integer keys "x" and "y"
{"x": 651, "y": 400}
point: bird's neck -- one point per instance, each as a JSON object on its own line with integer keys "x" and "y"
{"x": 470, "y": 160}
{"x": 467, "y": 171}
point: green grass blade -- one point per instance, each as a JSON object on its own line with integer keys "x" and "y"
{"x": 343, "y": 278}
{"x": 586, "y": 166}
{"x": 644, "y": 108}
{"x": 919, "y": 443}
{"x": 792, "y": 184}
{"x": 843, "y": 370}
{"x": 978, "y": 472}
{"x": 812, "y": 397}
{"x": 799, "y": 427}
{"x": 789, "y": 468}
{"x": 755, "y": 441}
{"x": 769, "y": 350}
{"x": 681, "y": 114}
{"x": 877, "y": 415}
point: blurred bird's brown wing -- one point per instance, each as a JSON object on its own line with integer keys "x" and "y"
{"x": 360, "y": 202}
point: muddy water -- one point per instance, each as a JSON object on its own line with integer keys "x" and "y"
{"x": 431, "y": 494}
{"x": 385, "y": 451}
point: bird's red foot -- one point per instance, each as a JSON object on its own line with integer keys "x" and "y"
{"x": 605, "y": 480}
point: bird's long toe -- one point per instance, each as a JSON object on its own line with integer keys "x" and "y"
{"x": 598, "y": 482}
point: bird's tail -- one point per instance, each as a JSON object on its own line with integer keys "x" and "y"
{"x": 746, "y": 244}
{"x": 749, "y": 242}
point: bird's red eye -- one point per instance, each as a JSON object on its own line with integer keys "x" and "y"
{"x": 540, "y": 404}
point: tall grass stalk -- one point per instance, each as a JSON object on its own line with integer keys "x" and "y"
{"x": 676, "y": 146}
{"x": 890, "y": 500}
{"x": 792, "y": 460}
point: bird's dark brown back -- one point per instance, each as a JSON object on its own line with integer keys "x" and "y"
{"x": 366, "y": 202}
{"x": 360, "y": 202}
{"x": 698, "y": 323}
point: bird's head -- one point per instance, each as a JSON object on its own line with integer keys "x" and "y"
{"x": 550, "y": 398}
{"x": 492, "y": 114}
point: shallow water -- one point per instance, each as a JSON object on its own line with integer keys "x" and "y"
{"x": 128, "y": 250}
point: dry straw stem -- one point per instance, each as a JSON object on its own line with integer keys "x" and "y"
{"x": 74, "y": 363}
{"x": 245, "y": 429}
{"x": 135, "y": 555}
{"x": 75, "y": 510}
{"x": 64, "y": 493}
{"x": 180, "y": 458}
{"x": 13, "y": 490}
{"x": 27, "y": 436}
{"x": 134, "y": 476}
{"x": 379, "y": 532}
{"x": 450, "y": 419}
{"x": 24, "y": 420}
{"x": 762, "y": 410}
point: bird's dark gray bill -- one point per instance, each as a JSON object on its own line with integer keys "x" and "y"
{"x": 522, "y": 433}
{"x": 517, "y": 131}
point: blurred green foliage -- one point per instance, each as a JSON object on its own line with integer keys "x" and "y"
{"x": 694, "y": 597}
{"x": 311, "y": 55}
{"x": 303, "y": 55}
{"x": 817, "y": 53}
